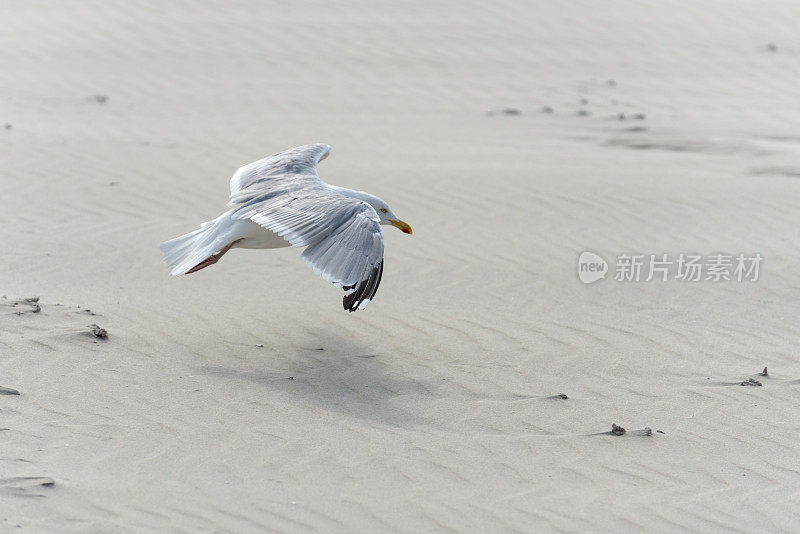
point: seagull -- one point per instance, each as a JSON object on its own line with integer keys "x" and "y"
{"x": 280, "y": 201}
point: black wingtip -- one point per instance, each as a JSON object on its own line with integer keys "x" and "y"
{"x": 364, "y": 290}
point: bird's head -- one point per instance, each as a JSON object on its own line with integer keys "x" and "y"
{"x": 386, "y": 215}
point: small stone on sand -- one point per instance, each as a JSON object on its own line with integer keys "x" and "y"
{"x": 8, "y": 391}
{"x": 764, "y": 372}
{"x": 33, "y": 302}
{"x": 750, "y": 382}
{"x": 617, "y": 430}
{"x": 98, "y": 332}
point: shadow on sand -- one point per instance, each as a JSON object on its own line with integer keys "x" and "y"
{"x": 335, "y": 374}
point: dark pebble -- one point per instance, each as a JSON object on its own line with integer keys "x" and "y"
{"x": 750, "y": 382}
{"x": 98, "y": 332}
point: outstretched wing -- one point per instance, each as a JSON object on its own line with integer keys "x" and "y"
{"x": 284, "y": 194}
{"x": 299, "y": 161}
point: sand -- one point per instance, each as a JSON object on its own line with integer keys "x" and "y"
{"x": 244, "y": 399}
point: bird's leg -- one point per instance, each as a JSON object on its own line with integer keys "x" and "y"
{"x": 211, "y": 260}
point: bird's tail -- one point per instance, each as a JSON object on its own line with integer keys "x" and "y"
{"x": 186, "y": 253}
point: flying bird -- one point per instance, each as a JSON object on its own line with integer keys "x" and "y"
{"x": 280, "y": 201}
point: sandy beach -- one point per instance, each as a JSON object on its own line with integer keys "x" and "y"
{"x": 477, "y": 392}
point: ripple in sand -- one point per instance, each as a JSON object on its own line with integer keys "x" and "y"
{"x": 505, "y": 111}
{"x": 25, "y": 485}
{"x": 788, "y": 172}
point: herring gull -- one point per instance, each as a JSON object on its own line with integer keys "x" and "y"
{"x": 280, "y": 201}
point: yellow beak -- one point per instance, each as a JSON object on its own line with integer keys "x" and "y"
{"x": 403, "y": 226}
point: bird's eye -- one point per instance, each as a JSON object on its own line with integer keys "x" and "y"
{"x": 384, "y": 210}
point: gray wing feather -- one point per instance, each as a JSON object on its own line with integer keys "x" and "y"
{"x": 298, "y": 161}
{"x": 284, "y": 194}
